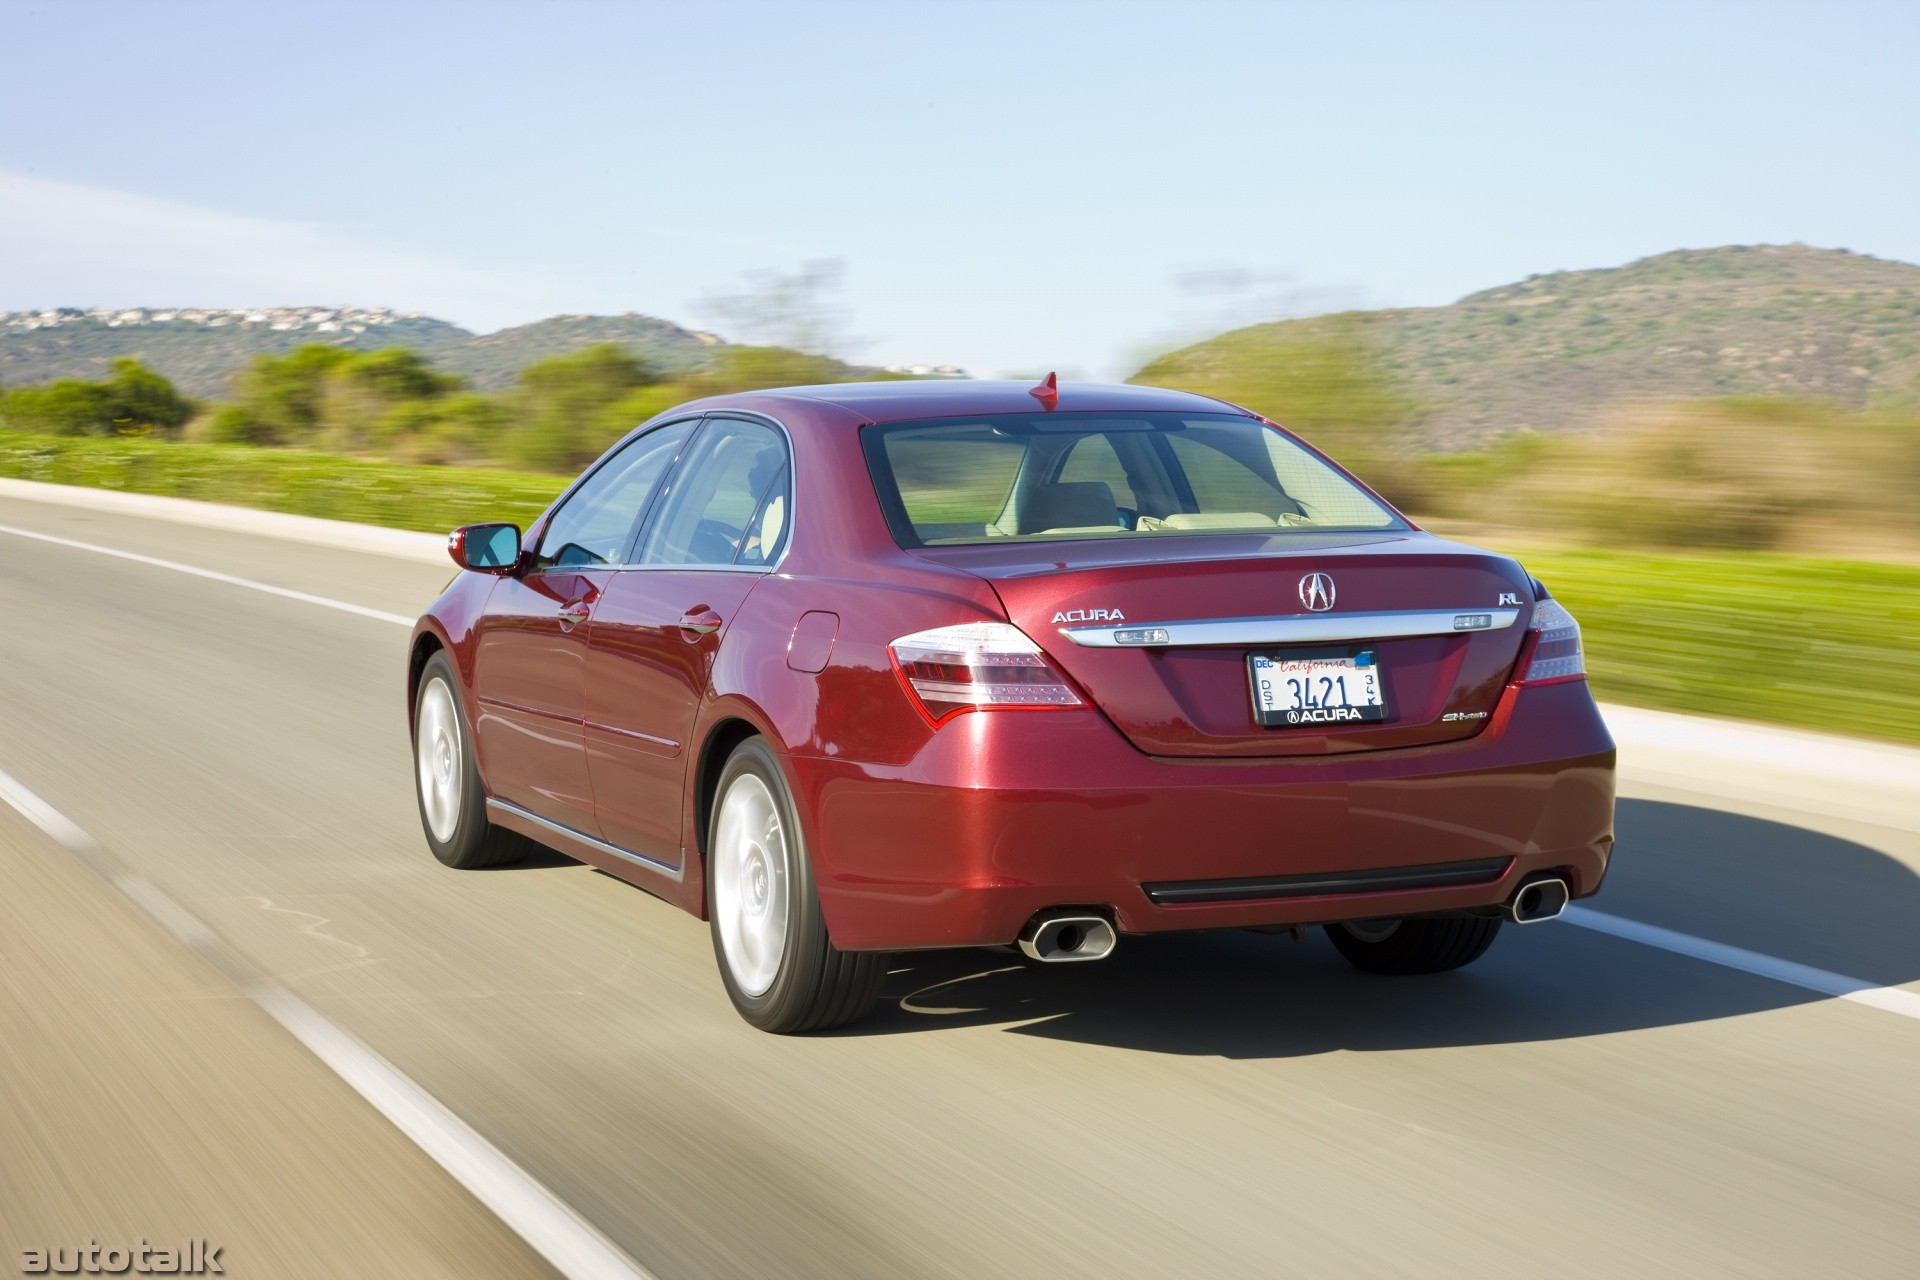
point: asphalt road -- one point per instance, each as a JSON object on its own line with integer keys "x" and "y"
{"x": 1233, "y": 1104}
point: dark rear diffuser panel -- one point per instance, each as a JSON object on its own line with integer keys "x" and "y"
{"x": 1328, "y": 883}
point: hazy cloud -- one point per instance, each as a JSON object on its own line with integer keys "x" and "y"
{"x": 65, "y": 244}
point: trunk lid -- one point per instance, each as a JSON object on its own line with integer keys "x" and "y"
{"x": 1184, "y": 698}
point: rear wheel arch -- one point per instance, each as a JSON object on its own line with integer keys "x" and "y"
{"x": 770, "y": 939}
{"x": 715, "y": 750}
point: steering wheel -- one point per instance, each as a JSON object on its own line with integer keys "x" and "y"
{"x": 713, "y": 542}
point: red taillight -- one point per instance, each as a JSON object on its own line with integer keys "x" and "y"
{"x": 979, "y": 666}
{"x": 1556, "y": 653}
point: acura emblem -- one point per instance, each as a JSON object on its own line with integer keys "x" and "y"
{"x": 1316, "y": 592}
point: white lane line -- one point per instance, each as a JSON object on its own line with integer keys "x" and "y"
{"x": 44, "y": 816}
{"x": 1839, "y": 985}
{"x": 538, "y": 1216}
{"x": 212, "y": 576}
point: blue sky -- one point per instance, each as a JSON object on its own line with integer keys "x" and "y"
{"x": 1011, "y": 187}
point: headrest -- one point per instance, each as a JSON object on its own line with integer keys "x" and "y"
{"x": 1074, "y": 505}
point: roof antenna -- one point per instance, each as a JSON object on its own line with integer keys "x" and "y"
{"x": 1048, "y": 392}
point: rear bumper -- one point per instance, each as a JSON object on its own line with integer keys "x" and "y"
{"x": 1003, "y": 815}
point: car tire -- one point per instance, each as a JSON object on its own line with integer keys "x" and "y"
{"x": 780, "y": 968}
{"x": 1425, "y": 944}
{"x": 446, "y": 779}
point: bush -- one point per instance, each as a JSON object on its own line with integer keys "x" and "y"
{"x": 134, "y": 401}
{"x": 1319, "y": 378}
{"x": 326, "y": 397}
{"x": 562, "y": 405}
{"x": 1730, "y": 474}
{"x": 463, "y": 430}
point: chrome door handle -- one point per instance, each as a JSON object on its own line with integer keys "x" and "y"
{"x": 701, "y": 621}
{"x": 576, "y": 613}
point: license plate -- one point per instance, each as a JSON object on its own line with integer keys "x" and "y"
{"x": 1325, "y": 687}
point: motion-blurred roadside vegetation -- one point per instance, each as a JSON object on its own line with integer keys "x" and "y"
{"x": 1754, "y": 473}
{"x": 376, "y": 436}
{"x": 560, "y": 414}
{"x": 132, "y": 401}
{"x": 431, "y": 499}
{"x": 1730, "y": 474}
{"x": 1668, "y": 534}
{"x": 393, "y": 405}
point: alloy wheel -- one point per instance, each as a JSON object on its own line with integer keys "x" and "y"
{"x": 436, "y": 749}
{"x": 750, "y": 884}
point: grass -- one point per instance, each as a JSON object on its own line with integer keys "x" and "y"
{"x": 1821, "y": 644}
{"x": 1818, "y": 643}
{"x": 432, "y": 499}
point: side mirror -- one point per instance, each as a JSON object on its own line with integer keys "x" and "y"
{"x": 485, "y": 548}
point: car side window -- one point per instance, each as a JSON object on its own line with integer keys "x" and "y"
{"x": 1222, "y": 482}
{"x": 1092, "y": 458}
{"x": 767, "y": 532}
{"x": 592, "y": 526}
{"x": 727, "y": 503}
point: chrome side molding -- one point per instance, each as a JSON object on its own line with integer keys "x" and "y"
{"x": 1293, "y": 628}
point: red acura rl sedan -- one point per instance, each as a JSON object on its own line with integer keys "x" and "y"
{"x": 863, "y": 668}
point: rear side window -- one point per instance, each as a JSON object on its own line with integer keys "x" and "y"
{"x": 727, "y": 503}
{"x": 1047, "y": 477}
{"x": 1220, "y": 482}
{"x": 1092, "y": 459}
{"x": 954, "y": 479}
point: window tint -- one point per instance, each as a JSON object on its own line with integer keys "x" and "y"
{"x": 1092, "y": 459}
{"x": 1221, "y": 482}
{"x": 733, "y": 477}
{"x": 1056, "y": 476}
{"x": 954, "y": 479}
{"x": 592, "y": 526}
{"x": 768, "y": 531}
{"x": 1322, "y": 494}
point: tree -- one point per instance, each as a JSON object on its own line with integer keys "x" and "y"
{"x": 562, "y": 404}
{"x": 134, "y": 400}
{"x": 142, "y": 402}
{"x": 361, "y": 395}
{"x": 757, "y": 368}
{"x": 794, "y": 311}
{"x": 1318, "y": 377}
{"x": 278, "y": 399}
{"x": 327, "y": 397}
{"x": 464, "y": 428}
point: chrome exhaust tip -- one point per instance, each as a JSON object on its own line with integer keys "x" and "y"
{"x": 1063, "y": 938}
{"x": 1539, "y": 900}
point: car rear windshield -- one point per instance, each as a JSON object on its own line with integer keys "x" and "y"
{"x": 1043, "y": 477}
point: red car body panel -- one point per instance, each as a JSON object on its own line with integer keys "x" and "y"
{"x": 925, "y": 836}
{"x": 528, "y": 713}
{"x": 645, "y": 681}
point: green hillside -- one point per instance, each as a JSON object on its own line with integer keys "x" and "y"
{"x": 490, "y": 361}
{"x": 198, "y": 350}
{"x": 196, "y": 355}
{"x": 1554, "y": 351}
